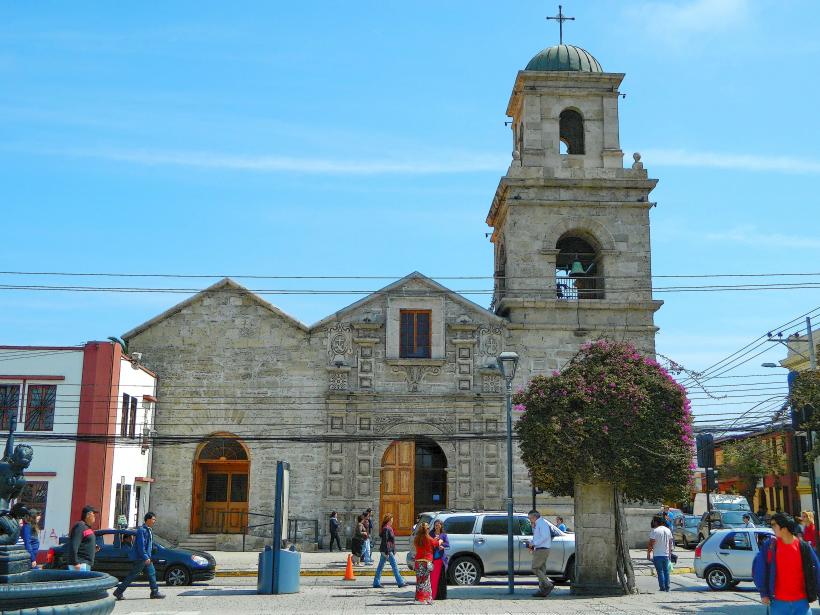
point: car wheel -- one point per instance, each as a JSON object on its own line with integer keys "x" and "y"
{"x": 177, "y": 575}
{"x": 465, "y": 571}
{"x": 686, "y": 544}
{"x": 570, "y": 571}
{"x": 718, "y": 578}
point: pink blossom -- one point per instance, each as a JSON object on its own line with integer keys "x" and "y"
{"x": 519, "y": 407}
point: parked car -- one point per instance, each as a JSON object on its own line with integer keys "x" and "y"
{"x": 722, "y": 519}
{"x": 173, "y": 565}
{"x": 686, "y": 531}
{"x": 725, "y": 558}
{"x": 478, "y": 546}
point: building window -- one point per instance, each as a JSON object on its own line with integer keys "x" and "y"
{"x": 414, "y": 340}
{"x": 126, "y": 408}
{"x": 40, "y": 409}
{"x": 132, "y": 425}
{"x": 35, "y": 495}
{"x": 9, "y": 403}
{"x": 571, "y": 131}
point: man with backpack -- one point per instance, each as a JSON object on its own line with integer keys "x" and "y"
{"x": 786, "y": 570}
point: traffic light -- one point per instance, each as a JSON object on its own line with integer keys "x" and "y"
{"x": 705, "y": 444}
{"x": 711, "y": 479}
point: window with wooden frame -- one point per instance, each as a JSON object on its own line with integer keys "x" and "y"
{"x": 9, "y": 403}
{"x": 132, "y": 425}
{"x": 42, "y": 399}
{"x": 414, "y": 340}
{"x": 35, "y": 496}
{"x": 126, "y": 409}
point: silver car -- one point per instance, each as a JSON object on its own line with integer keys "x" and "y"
{"x": 478, "y": 546}
{"x": 725, "y": 558}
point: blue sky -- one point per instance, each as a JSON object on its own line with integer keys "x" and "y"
{"x": 368, "y": 138}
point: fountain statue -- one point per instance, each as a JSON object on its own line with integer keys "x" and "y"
{"x": 27, "y": 590}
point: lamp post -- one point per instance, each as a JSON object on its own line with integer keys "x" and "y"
{"x": 507, "y": 362}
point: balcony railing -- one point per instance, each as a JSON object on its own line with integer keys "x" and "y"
{"x": 573, "y": 288}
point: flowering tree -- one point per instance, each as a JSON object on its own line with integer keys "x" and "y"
{"x": 610, "y": 416}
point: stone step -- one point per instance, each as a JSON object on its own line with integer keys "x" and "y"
{"x": 199, "y": 542}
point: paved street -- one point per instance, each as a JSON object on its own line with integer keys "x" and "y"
{"x": 331, "y": 595}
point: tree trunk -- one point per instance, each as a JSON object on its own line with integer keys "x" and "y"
{"x": 626, "y": 572}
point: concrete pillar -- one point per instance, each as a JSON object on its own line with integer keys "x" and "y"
{"x": 595, "y": 545}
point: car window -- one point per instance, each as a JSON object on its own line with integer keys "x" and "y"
{"x": 495, "y": 526}
{"x": 693, "y": 522}
{"x": 761, "y": 537}
{"x": 526, "y": 526}
{"x": 105, "y": 538}
{"x": 737, "y": 541}
{"x": 460, "y": 524}
{"x": 127, "y": 540}
{"x": 735, "y": 518}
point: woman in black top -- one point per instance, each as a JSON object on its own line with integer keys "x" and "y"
{"x": 388, "y": 552}
{"x": 357, "y": 543}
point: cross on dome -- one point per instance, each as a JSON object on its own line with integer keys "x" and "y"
{"x": 561, "y": 18}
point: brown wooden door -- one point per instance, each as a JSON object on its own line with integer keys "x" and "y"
{"x": 221, "y": 497}
{"x": 398, "y": 466}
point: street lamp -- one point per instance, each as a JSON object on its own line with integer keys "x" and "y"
{"x": 507, "y": 362}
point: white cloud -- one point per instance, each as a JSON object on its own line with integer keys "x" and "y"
{"x": 445, "y": 163}
{"x": 750, "y": 235}
{"x": 676, "y": 20}
{"x": 740, "y": 162}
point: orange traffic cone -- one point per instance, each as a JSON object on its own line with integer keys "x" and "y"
{"x": 349, "y": 576}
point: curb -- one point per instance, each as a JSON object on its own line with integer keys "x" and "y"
{"x": 677, "y": 570}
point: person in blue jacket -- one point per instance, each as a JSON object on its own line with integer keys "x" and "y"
{"x": 141, "y": 556}
{"x": 31, "y": 534}
{"x": 786, "y": 570}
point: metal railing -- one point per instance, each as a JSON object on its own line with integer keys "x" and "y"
{"x": 573, "y": 288}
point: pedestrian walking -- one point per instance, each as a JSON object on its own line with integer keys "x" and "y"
{"x": 786, "y": 570}
{"x": 366, "y": 546}
{"x": 747, "y": 521}
{"x": 30, "y": 532}
{"x": 540, "y": 549}
{"x": 140, "y": 554}
{"x": 667, "y": 517}
{"x": 438, "y": 579}
{"x": 809, "y": 529}
{"x": 334, "y": 531}
{"x": 82, "y": 543}
{"x": 424, "y": 544}
{"x": 659, "y": 550}
{"x": 357, "y": 542}
{"x": 387, "y": 553}
{"x": 559, "y": 522}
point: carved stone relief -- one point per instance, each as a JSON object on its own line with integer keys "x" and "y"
{"x": 489, "y": 341}
{"x": 414, "y": 374}
{"x": 339, "y": 341}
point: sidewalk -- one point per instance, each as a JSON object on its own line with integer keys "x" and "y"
{"x": 238, "y": 564}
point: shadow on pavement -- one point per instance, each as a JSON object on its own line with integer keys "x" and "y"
{"x": 218, "y": 592}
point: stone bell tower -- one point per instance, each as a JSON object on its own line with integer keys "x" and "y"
{"x": 570, "y": 223}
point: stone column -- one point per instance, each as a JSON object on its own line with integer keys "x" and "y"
{"x": 595, "y": 542}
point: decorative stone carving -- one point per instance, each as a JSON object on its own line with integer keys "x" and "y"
{"x": 490, "y": 341}
{"x": 490, "y": 383}
{"x": 414, "y": 374}
{"x": 339, "y": 341}
{"x": 338, "y": 381}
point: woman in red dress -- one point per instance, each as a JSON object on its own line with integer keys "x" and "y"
{"x": 424, "y": 545}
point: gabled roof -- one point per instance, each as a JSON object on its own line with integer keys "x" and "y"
{"x": 395, "y": 286}
{"x": 225, "y": 283}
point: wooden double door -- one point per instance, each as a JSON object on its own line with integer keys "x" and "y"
{"x": 220, "y": 497}
{"x": 413, "y": 481}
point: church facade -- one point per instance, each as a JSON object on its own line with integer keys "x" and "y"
{"x": 394, "y": 402}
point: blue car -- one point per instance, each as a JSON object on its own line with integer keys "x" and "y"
{"x": 174, "y": 565}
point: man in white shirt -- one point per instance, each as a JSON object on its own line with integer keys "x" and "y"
{"x": 747, "y": 521}
{"x": 660, "y": 550}
{"x": 540, "y": 548}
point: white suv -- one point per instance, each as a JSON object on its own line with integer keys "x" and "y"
{"x": 478, "y": 546}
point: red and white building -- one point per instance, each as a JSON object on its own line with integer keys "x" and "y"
{"x": 87, "y": 411}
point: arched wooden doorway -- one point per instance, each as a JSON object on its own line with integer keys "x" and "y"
{"x": 413, "y": 480}
{"x": 220, "y": 496}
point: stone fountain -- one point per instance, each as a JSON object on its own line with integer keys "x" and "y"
{"x": 23, "y": 590}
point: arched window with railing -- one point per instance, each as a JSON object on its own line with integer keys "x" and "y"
{"x": 578, "y": 268}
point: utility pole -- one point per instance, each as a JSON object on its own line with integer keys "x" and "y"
{"x": 810, "y": 432}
